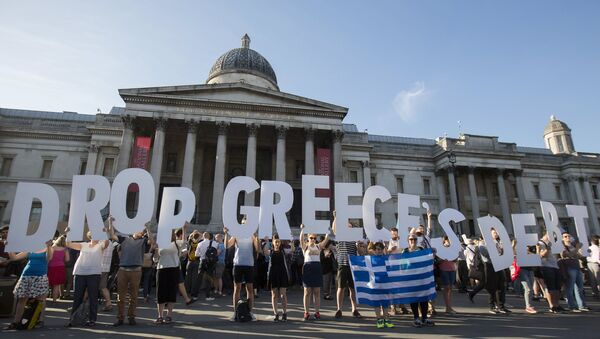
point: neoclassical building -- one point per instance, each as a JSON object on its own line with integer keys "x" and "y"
{"x": 240, "y": 123}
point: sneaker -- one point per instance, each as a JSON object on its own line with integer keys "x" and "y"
{"x": 530, "y": 310}
{"x": 338, "y": 314}
{"x": 417, "y": 323}
{"x": 561, "y": 309}
{"x": 576, "y": 310}
{"x": 118, "y": 323}
{"x": 584, "y": 309}
{"x": 209, "y": 299}
{"x": 553, "y": 310}
{"x": 317, "y": 316}
{"x": 284, "y": 317}
{"x": 388, "y": 323}
{"x": 428, "y": 323}
{"x": 380, "y": 323}
{"x": 232, "y": 318}
{"x": 505, "y": 310}
{"x": 356, "y": 314}
{"x": 253, "y": 317}
{"x": 132, "y": 321}
{"x": 494, "y": 310}
{"x": 306, "y": 316}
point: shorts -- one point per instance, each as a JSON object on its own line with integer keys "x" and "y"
{"x": 219, "y": 268}
{"x": 551, "y": 278}
{"x": 448, "y": 278}
{"x": 243, "y": 274}
{"x": 344, "y": 277}
{"x": 103, "y": 280}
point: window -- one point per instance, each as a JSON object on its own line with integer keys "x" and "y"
{"x": 46, "y": 169}
{"x": 399, "y": 184}
{"x": 107, "y": 170}
{"x": 36, "y": 213}
{"x": 373, "y": 180}
{"x": 6, "y": 165}
{"x": 2, "y": 209}
{"x": 595, "y": 191}
{"x": 558, "y": 192}
{"x": 353, "y": 176}
{"x": 559, "y": 143}
{"x": 82, "y": 167}
{"x": 536, "y": 190}
{"x": 426, "y": 186}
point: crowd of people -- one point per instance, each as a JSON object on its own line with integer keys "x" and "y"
{"x": 194, "y": 263}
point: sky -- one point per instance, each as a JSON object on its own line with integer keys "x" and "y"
{"x": 420, "y": 69}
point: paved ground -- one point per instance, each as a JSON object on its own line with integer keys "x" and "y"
{"x": 209, "y": 320}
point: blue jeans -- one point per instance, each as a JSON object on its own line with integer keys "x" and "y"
{"x": 574, "y": 289}
{"x": 147, "y": 280}
{"x": 526, "y": 278}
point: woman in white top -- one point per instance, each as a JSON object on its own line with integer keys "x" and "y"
{"x": 167, "y": 277}
{"x": 593, "y": 264}
{"x": 86, "y": 274}
{"x": 312, "y": 277}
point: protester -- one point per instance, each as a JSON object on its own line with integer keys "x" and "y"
{"x": 526, "y": 279}
{"x": 243, "y": 268}
{"x": 448, "y": 278}
{"x": 312, "y": 279}
{"x": 33, "y": 283}
{"x": 107, "y": 255}
{"x": 593, "y": 265}
{"x": 87, "y": 271}
{"x": 278, "y": 282}
{"x": 422, "y": 305}
{"x": 381, "y": 312}
{"x": 207, "y": 251}
{"x": 57, "y": 274}
{"x": 496, "y": 280}
{"x": 550, "y": 273}
{"x": 327, "y": 269}
{"x": 344, "y": 278}
{"x": 574, "y": 278}
{"x": 425, "y": 235}
{"x": 192, "y": 283}
{"x": 148, "y": 269}
{"x": 220, "y": 266}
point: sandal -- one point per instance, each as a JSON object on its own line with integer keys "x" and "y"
{"x": 159, "y": 321}
{"x": 168, "y": 320}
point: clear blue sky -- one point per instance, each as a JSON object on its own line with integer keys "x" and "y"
{"x": 406, "y": 68}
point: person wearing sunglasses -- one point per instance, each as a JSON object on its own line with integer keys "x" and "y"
{"x": 312, "y": 278}
{"x": 381, "y": 312}
{"x": 422, "y": 305}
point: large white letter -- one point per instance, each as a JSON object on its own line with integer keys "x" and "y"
{"x": 118, "y": 200}
{"x": 270, "y": 211}
{"x": 373, "y": 194}
{"x": 230, "y": 200}
{"x": 578, "y": 213}
{"x": 503, "y": 261}
{"x": 82, "y": 208}
{"x": 451, "y": 252}
{"x": 344, "y": 212}
{"x": 525, "y": 239}
{"x": 311, "y": 204}
{"x": 406, "y": 221}
{"x": 168, "y": 219}
{"x": 18, "y": 240}
{"x": 551, "y": 221}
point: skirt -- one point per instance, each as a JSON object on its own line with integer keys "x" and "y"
{"x": 167, "y": 280}
{"x": 311, "y": 274}
{"x": 57, "y": 275}
{"x": 277, "y": 277}
{"x": 31, "y": 286}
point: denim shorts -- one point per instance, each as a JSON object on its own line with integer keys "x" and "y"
{"x": 448, "y": 278}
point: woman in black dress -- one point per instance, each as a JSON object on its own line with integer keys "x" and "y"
{"x": 278, "y": 279}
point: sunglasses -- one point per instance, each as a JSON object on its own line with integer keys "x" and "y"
{"x": 312, "y": 238}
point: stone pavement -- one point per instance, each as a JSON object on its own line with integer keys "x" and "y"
{"x": 209, "y": 320}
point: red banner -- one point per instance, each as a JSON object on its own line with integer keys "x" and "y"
{"x": 323, "y": 167}
{"x": 139, "y": 159}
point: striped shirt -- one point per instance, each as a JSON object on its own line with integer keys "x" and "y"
{"x": 344, "y": 249}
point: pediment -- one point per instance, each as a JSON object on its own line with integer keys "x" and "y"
{"x": 236, "y": 93}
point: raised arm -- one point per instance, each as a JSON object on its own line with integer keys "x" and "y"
{"x": 228, "y": 241}
{"x": 428, "y": 231}
{"x": 111, "y": 229}
{"x": 302, "y": 242}
{"x": 49, "y": 250}
{"x": 70, "y": 244}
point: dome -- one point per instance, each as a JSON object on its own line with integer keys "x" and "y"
{"x": 556, "y": 125}
{"x": 243, "y": 65}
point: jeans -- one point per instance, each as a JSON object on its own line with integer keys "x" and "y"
{"x": 147, "y": 280}
{"x": 192, "y": 280}
{"x": 81, "y": 284}
{"x": 127, "y": 281}
{"x": 574, "y": 288}
{"x": 526, "y": 278}
{"x": 594, "y": 276}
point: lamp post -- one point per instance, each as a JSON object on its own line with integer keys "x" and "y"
{"x": 452, "y": 161}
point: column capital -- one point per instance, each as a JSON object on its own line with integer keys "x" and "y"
{"x": 128, "y": 121}
{"x": 192, "y": 126}
{"x": 365, "y": 163}
{"x": 223, "y": 127}
{"x": 337, "y": 135}
{"x": 518, "y": 172}
{"x": 252, "y": 129}
{"x": 93, "y": 148}
{"x": 471, "y": 169}
{"x": 161, "y": 124}
{"x": 281, "y": 131}
{"x": 571, "y": 177}
{"x": 586, "y": 178}
{"x": 310, "y": 133}
{"x": 500, "y": 172}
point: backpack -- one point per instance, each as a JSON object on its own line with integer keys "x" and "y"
{"x": 477, "y": 267}
{"x": 242, "y": 311}
{"x": 211, "y": 257}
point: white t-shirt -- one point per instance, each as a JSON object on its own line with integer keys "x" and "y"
{"x": 90, "y": 259}
{"x": 203, "y": 246}
{"x": 168, "y": 257}
{"x": 107, "y": 254}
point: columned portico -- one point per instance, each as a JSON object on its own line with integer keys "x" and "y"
{"x": 92, "y": 159}
{"x": 577, "y": 186}
{"x": 366, "y": 175}
{"x": 452, "y": 185}
{"x": 157, "y": 157}
{"x": 126, "y": 143}
{"x": 441, "y": 190}
{"x": 338, "y": 174}
{"x": 521, "y": 192}
{"x": 309, "y": 152}
{"x": 251, "y": 160}
{"x": 589, "y": 200}
{"x": 190, "y": 155}
{"x": 504, "y": 201}
{"x": 280, "y": 160}
{"x": 473, "y": 195}
{"x": 216, "y": 218}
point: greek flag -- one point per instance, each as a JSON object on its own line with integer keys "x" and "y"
{"x": 383, "y": 280}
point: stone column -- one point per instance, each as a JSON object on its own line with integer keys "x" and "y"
{"x": 280, "y": 157}
{"x": 578, "y": 195}
{"x": 338, "y": 174}
{"x": 309, "y": 152}
{"x": 126, "y": 143}
{"x": 473, "y": 194}
{"x": 90, "y": 168}
{"x": 521, "y": 192}
{"x": 216, "y": 217}
{"x": 157, "y": 157}
{"x": 190, "y": 154}
{"x": 251, "y": 160}
{"x": 441, "y": 189}
{"x": 452, "y": 185}
{"x": 366, "y": 175}
{"x": 593, "y": 213}
{"x": 504, "y": 201}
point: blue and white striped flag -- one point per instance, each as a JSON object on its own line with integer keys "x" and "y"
{"x": 383, "y": 280}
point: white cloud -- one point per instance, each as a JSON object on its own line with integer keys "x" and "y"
{"x": 407, "y": 101}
